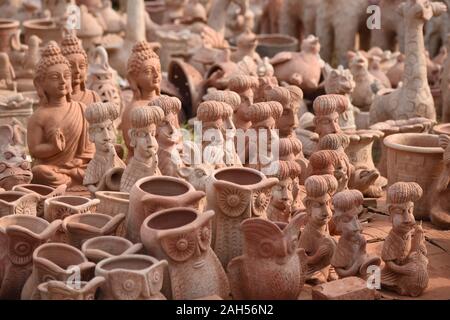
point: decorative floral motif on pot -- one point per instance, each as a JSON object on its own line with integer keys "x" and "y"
{"x": 232, "y": 202}
{"x": 180, "y": 248}
{"x": 26, "y": 208}
{"x": 261, "y": 199}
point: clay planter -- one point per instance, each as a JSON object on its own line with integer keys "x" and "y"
{"x": 113, "y": 203}
{"x": 58, "y": 290}
{"x": 284, "y": 270}
{"x": 45, "y": 29}
{"x": 235, "y": 194}
{"x": 81, "y": 227}
{"x": 104, "y": 247}
{"x": 156, "y": 10}
{"x": 44, "y": 193}
{"x": 415, "y": 157}
{"x": 19, "y": 236}
{"x": 152, "y": 194}
{"x": 64, "y": 206}
{"x": 131, "y": 277}
{"x": 8, "y": 27}
{"x": 182, "y": 236}
{"x": 443, "y": 128}
{"x": 271, "y": 44}
{"x": 14, "y": 202}
{"x": 56, "y": 261}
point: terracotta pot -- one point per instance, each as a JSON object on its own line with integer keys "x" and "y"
{"x": 104, "y": 247}
{"x": 8, "y": 27}
{"x": 271, "y": 44}
{"x": 152, "y": 194}
{"x": 19, "y": 236}
{"x": 63, "y": 206}
{"x": 44, "y": 193}
{"x": 156, "y": 10}
{"x": 56, "y": 261}
{"x": 81, "y": 227}
{"x": 45, "y": 29}
{"x": 415, "y": 157}
{"x": 14, "y": 202}
{"x": 190, "y": 84}
{"x": 419, "y": 125}
{"x": 182, "y": 236}
{"x": 113, "y": 203}
{"x": 235, "y": 194}
{"x": 58, "y": 290}
{"x": 284, "y": 270}
{"x": 131, "y": 277}
{"x": 443, "y": 128}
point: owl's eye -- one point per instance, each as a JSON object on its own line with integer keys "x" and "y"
{"x": 156, "y": 277}
{"x": 22, "y": 249}
{"x": 182, "y": 244}
{"x": 180, "y": 248}
{"x": 266, "y": 248}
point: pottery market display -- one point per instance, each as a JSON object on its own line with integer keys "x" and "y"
{"x": 14, "y": 202}
{"x": 44, "y": 193}
{"x": 104, "y": 247}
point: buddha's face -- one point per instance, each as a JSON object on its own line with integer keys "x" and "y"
{"x": 146, "y": 145}
{"x": 78, "y": 67}
{"x": 149, "y": 77}
{"x": 103, "y": 136}
{"x": 57, "y": 81}
{"x": 327, "y": 124}
{"x": 168, "y": 131}
{"x": 319, "y": 210}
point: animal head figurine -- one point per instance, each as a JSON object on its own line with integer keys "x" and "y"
{"x": 357, "y": 62}
{"x": 311, "y": 44}
{"x": 327, "y": 109}
{"x": 422, "y": 10}
{"x": 339, "y": 81}
{"x": 271, "y": 253}
{"x": 15, "y": 166}
{"x": 198, "y": 175}
{"x": 144, "y": 72}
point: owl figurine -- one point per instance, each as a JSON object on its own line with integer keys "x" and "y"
{"x": 131, "y": 277}
{"x": 182, "y": 236}
{"x": 272, "y": 266}
{"x": 236, "y": 194}
{"x": 59, "y": 290}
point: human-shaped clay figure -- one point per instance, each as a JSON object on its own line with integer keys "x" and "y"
{"x": 144, "y": 163}
{"x": 315, "y": 238}
{"x": 404, "y": 251}
{"x": 144, "y": 76}
{"x": 350, "y": 257}
{"x": 101, "y": 117}
{"x": 327, "y": 109}
{"x": 168, "y": 135}
{"x": 58, "y": 131}
{"x": 244, "y": 86}
{"x": 71, "y": 48}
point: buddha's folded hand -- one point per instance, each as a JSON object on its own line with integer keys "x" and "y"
{"x": 58, "y": 139}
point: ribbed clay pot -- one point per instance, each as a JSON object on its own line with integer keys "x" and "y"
{"x": 235, "y": 194}
{"x": 56, "y": 261}
{"x": 271, "y": 44}
{"x": 153, "y": 194}
{"x": 64, "y": 206}
{"x": 19, "y": 236}
{"x": 104, "y": 247}
{"x": 131, "y": 277}
{"x": 81, "y": 227}
{"x": 59, "y": 290}
{"x": 15, "y": 202}
{"x": 45, "y": 29}
{"x": 8, "y": 27}
{"x": 44, "y": 193}
{"x": 182, "y": 236}
{"x": 113, "y": 203}
{"x": 415, "y": 157}
{"x": 443, "y": 128}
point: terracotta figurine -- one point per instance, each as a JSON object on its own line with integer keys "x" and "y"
{"x": 244, "y": 86}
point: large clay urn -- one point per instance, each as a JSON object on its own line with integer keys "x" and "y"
{"x": 182, "y": 236}
{"x": 235, "y": 194}
{"x": 8, "y": 27}
{"x": 131, "y": 277}
{"x": 152, "y": 194}
{"x": 14, "y": 202}
{"x": 45, "y": 29}
{"x": 415, "y": 157}
{"x": 81, "y": 227}
{"x": 59, "y": 290}
{"x": 104, "y": 247}
{"x": 20, "y": 235}
{"x": 44, "y": 193}
{"x": 56, "y": 261}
